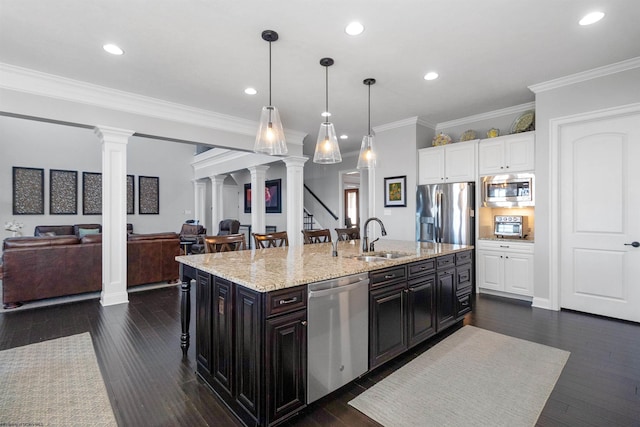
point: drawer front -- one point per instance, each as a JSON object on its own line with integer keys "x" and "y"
{"x": 445, "y": 261}
{"x": 388, "y": 275}
{"x": 286, "y": 300}
{"x": 463, "y": 304}
{"x": 463, "y": 257}
{"x": 422, "y": 267}
{"x": 463, "y": 277}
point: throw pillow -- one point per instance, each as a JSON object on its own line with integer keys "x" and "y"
{"x": 84, "y": 231}
{"x": 47, "y": 234}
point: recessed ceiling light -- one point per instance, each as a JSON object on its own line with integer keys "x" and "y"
{"x": 591, "y": 18}
{"x": 250, "y": 91}
{"x": 344, "y": 136}
{"x": 431, "y": 75}
{"x": 113, "y": 49}
{"x": 354, "y": 28}
{"x": 326, "y": 114}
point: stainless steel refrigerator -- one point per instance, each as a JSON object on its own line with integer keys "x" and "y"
{"x": 446, "y": 213}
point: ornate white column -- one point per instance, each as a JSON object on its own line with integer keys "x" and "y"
{"x": 217, "y": 197}
{"x": 199, "y": 197}
{"x": 258, "y": 176}
{"x": 114, "y": 214}
{"x": 295, "y": 198}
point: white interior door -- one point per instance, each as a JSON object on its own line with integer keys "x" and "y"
{"x": 600, "y": 216}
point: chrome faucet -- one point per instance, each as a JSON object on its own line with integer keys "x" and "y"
{"x": 365, "y": 238}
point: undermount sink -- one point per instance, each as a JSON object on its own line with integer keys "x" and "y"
{"x": 389, "y": 255}
{"x": 380, "y": 256}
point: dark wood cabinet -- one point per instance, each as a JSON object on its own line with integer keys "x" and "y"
{"x": 203, "y": 322}
{"x": 445, "y": 298}
{"x": 252, "y": 348}
{"x": 421, "y": 309}
{"x": 248, "y": 345}
{"x": 222, "y": 333}
{"x": 387, "y": 323}
{"x": 286, "y": 362}
{"x": 410, "y": 303}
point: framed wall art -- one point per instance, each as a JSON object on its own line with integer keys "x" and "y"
{"x": 272, "y": 196}
{"x": 131, "y": 195}
{"x": 91, "y": 193}
{"x": 63, "y": 192}
{"x": 148, "y": 195}
{"x": 28, "y": 191}
{"x": 395, "y": 191}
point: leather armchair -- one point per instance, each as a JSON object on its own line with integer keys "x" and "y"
{"x": 195, "y": 234}
{"x": 228, "y": 226}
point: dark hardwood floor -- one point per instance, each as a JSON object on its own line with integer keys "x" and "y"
{"x": 150, "y": 384}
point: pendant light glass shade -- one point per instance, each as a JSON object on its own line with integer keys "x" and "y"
{"x": 270, "y": 138}
{"x": 327, "y": 148}
{"x": 367, "y": 157}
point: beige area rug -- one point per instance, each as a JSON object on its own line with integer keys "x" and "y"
{"x": 472, "y": 378}
{"x": 53, "y": 383}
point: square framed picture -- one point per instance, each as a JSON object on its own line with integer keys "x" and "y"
{"x": 395, "y": 191}
{"x": 272, "y": 196}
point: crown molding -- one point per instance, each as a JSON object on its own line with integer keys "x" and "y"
{"x": 403, "y": 123}
{"x": 487, "y": 116}
{"x": 38, "y": 83}
{"x": 606, "y": 70}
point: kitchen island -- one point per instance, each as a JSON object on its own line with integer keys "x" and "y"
{"x": 251, "y": 313}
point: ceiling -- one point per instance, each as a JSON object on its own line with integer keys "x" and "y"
{"x": 205, "y": 53}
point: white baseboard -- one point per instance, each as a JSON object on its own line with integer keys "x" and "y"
{"x": 544, "y": 303}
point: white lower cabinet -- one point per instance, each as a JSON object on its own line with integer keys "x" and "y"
{"x": 505, "y": 266}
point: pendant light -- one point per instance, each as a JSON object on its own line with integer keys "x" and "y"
{"x": 270, "y": 139}
{"x": 327, "y": 149}
{"x": 367, "y": 157}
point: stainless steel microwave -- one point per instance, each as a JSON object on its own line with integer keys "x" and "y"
{"x": 515, "y": 190}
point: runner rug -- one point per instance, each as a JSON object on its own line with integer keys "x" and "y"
{"x": 53, "y": 383}
{"x": 472, "y": 378}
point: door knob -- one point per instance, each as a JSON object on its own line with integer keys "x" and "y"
{"x": 634, "y": 244}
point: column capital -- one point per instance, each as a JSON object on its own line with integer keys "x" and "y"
{"x": 218, "y": 179}
{"x": 111, "y": 133}
{"x": 295, "y": 161}
{"x": 257, "y": 169}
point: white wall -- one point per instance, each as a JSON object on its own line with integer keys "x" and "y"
{"x": 397, "y": 156}
{"x": 28, "y": 143}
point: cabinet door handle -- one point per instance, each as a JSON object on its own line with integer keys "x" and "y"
{"x": 288, "y": 301}
{"x": 504, "y": 246}
{"x": 507, "y": 166}
{"x": 389, "y": 276}
{"x": 634, "y": 244}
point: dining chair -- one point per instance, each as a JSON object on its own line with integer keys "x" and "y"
{"x": 225, "y": 243}
{"x": 316, "y": 236}
{"x": 271, "y": 240}
{"x": 352, "y": 233}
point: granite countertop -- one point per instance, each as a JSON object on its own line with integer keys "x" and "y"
{"x": 271, "y": 269}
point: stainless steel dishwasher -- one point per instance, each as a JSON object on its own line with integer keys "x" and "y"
{"x": 338, "y": 333}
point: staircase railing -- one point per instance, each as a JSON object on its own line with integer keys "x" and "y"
{"x": 321, "y": 202}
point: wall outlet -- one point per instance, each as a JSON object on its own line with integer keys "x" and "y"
{"x": 187, "y": 212}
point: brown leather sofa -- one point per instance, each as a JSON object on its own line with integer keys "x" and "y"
{"x": 40, "y": 267}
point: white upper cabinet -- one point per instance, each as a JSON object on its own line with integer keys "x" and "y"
{"x": 448, "y": 163}
{"x": 507, "y": 154}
